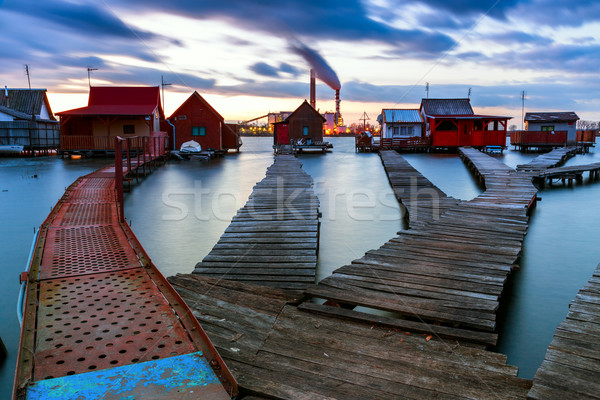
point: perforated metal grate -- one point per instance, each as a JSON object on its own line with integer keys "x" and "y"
{"x": 95, "y": 322}
{"x": 86, "y": 250}
{"x": 87, "y": 214}
{"x": 91, "y": 196}
{"x": 96, "y": 183}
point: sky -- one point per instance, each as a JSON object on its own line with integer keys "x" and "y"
{"x": 240, "y": 56}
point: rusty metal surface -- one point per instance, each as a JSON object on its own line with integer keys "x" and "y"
{"x": 89, "y": 323}
{"x": 91, "y": 196}
{"x": 86, "y": 250}
{"x": 96, "y": 183}
{"x": 77, "y": 214}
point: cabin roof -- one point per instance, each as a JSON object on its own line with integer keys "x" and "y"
{"x": 120, "y": 100}
{"x": 195, "y": 95}
{"x": 401, "y": 116}
{"x": 446, "y": 107}
{"x": 303, "y": 105}
{"x": 551, "y": 116}
{"x": 21, "y": 103}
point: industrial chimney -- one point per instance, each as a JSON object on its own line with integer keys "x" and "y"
{"x": 338, "y": 115}
{"x": 313, "y": 89}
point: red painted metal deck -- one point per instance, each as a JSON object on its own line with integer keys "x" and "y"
{"x": 94, "y": 299}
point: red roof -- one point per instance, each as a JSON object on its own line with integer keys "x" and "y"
{"x": 120, "y": 100}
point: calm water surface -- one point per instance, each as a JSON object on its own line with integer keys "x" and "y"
{"x": 180, "y": 211}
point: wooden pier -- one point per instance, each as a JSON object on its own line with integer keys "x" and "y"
{"x": 423, "y": 202}
{"x": 569, "y": 174}
{"x": 98, "y": 311}
{"x": 279, "y": 351}
{"x": 549, "y": 160}
{"x": 274, "y": 239}
{"x": 572, "y": 364}
{"x": 445, "y": 276}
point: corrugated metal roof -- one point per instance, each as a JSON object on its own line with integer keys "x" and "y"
{"x": 120, "y": 100}
{"x": 24, "y": 101}
{"x": 401, "y": 115}
{"x": 551, "y": 116}
{"x": 446, "y": 106}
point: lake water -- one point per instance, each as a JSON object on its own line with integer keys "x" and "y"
{"x": 181, "y": 209}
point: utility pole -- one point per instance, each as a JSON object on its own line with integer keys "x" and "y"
{"x": 31, "y": 123}
{"x": 469, "y": 94}
{"x": 523, "y": 110}
{"x": 162, "y": 85}
{"x": 89, "y": 78}
{"x": 427, "y": 89}
{"x": 364, "y": 119}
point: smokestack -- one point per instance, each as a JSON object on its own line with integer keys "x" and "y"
{"x": 313, "y": 89}
{"x": 338, "y": 116}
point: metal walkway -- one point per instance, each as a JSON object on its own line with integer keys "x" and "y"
{"x": 100, "y": 321}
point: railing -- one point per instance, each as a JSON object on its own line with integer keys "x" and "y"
{"x": 411, "y": 142}
{"x": 588, "y": 136}
{"x": 538, "y": 138}
{"x": 135, "y": 152}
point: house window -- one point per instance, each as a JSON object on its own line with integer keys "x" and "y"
{"x": 547, "y": 128}
{"x": 182, "y": 117}
{"x": 128, "y": 129}
{"x": 396, "y": 131}
{"x": 411, "y": 131}
{"x": 446, "y": 125}
{"x": 305, "y": 130}
{"x": 198, "y": 131}
{"x": 403, "y": 131}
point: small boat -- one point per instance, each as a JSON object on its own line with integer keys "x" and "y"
{"x": 190, "y": 147}
{"x": 11, "y": 149}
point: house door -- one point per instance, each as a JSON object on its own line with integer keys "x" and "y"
{"x": 465, "y": 133}
{"x": 283, "y": 136}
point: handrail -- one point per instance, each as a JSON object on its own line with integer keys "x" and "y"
{"x": 21, "y": 298}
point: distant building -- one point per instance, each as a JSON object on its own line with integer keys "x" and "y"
{"x": 401, "y": 123}
{"x": 305, "y": 124}
{"x": 553, "y": 122}
{"x": 452, "y": 123}
{"x": 111, "y": 111}
{"x": 26, "y": 119}
{"x": 197, "y": 120}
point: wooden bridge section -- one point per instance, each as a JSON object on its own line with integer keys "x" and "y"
{"x": 549, "y": 160}
{"x": 572, "y": 364}
{"x": 97, "y": 311}
{"x": 279, "y": 351}
{"x": 443, "y": 277}
{"x": 274, "y": 239}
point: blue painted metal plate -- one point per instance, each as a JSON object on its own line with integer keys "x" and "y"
{"x": 188, "y": 376}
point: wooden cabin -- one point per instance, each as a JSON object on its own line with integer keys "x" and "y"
{"x": 197, "y": 120}
{"x": 305, "y": 125}
{"x": 553, "y": 122}
{"x": 401, "y": 123}
{"x": 452, "y": 123}
{"x": 27, "y": 121}
{"x": 111, "y": 111}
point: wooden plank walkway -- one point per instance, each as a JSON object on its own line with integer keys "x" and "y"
{"x": 444, "y": 277}
{"x": 274, "y": 239}
{"x": 549, "y": 160}
{"x": 423, "y": 202}
{"x": 278, "y": 351}
{"x": 570, "y": 174}
{"x": 571, "y": 368}
{"x": 95, "y": 303}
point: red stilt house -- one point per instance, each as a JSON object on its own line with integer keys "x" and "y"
{"x": 305, "y": 124}
{"x": 111, "y": 111}
{"x": 197, "y": 120}
{"x": 452, "y": 123}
